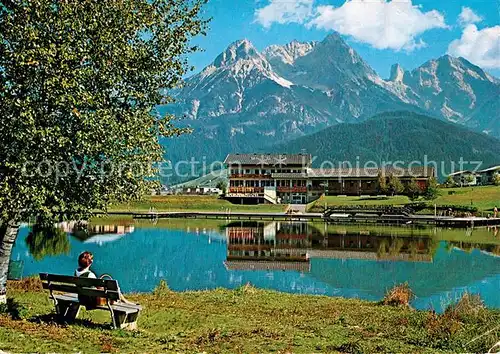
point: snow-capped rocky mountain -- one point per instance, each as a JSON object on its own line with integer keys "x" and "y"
{"x": 453, "y": 89}
{"x": 314, "y": 83}
{"x": 246, "y": 99}
{"x": 221, "y": 87}
{"x": 283, "y": 57}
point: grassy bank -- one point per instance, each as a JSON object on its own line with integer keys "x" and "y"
{"x": 249, "y": 320}
{"x": 193, "y": 203}
{"x": 484, "y": 198}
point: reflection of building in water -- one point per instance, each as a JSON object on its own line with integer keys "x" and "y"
{"x": 489, "y": 249}
{"x": 290, "y": 246}
{"x": 96, "y": 233}
{"x": 267, "y": 246}
{"x": 110, "y": 229}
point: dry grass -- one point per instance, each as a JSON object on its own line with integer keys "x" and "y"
{"x": 399, "y": 295}
{"x": 470, "y": 305}
{"x": 26, "y": 285}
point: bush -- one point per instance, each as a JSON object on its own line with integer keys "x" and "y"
{"x": 248, "y": 288}
{"x": 399, "y": 295}
{"x": 469, "y": 306}
{"x": 162, "y": 288}
{"x": 458, "y": 327}
{"x": 350, "y": 347}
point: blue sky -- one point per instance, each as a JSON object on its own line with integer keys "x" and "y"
{"x": 408, "y": 32}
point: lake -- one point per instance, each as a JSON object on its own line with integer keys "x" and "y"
{"x": 307, "y": 258}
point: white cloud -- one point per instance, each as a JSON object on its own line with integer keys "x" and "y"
{"x": 380, "y": 23}
{"x": 468, "y": 16}
{"x": 481, "y": 47}
{"x": 284, "y": 11}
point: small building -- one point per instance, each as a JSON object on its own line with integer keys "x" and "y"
{"x": 465, "y": 178}
{"x": 211, "y": 190}
{"x": 486, "y": 176}
{"x": 289, "y": 178}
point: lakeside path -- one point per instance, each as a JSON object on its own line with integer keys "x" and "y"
{"x": 337, "y": 218}
{"x": 248, "y": 320}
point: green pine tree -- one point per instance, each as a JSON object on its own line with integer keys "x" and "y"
{"x": 432, "y": 190}
{"x": 382, "y": 187}
{"x": 413, "y": 189}
{"x": 395, "y": 185}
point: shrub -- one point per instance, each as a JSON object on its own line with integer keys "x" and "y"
{"x": 458, "y": 327}
{"x": 469, "y": 306}
{"x": 162, "y": 288}
{"x": 350, "y": 347}
{"x": 399, "y": 295}
{"x": 248, "y": 288}
{"x": 496, "y": 179}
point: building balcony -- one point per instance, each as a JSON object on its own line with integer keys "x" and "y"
{"x": 250, "y": 176}
{"x": 246, "y": 190}
{"x": 292, "y": 189}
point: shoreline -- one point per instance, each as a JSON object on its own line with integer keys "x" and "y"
{"x": 396, "y": 220}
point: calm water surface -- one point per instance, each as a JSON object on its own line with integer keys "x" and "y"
{"x": 349, "y": 261}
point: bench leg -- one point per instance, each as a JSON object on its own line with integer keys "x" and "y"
{"x": 67, "y": 310}
{"x": 124, "y": 321}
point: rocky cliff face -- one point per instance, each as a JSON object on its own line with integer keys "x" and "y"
{"x": 453, "y": 89}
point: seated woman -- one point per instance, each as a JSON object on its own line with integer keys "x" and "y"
{"x": 85, "y": 260}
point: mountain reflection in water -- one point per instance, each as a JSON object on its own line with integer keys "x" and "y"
{"x": 313, "y": 258}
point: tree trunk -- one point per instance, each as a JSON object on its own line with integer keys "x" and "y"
{"x": 8, "y": 234}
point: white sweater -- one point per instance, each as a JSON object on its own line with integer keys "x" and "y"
{"x": 78, "y": 273}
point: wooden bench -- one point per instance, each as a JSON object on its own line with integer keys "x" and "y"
{"x": 71, "y": 289}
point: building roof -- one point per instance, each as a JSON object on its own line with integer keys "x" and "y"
{"x": 461, "y": 173}
{"x": 420, "y": 171}
{"x": 493, "y": 168}
{"x": 268, "y": 159}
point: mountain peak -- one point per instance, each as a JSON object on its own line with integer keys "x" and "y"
{"x": 450, "y": 65}
{"x": 397, "y": 73}
{"x": 289, "y": 52}
{"x": 238, "y": 50}
{"x": 334, "y": 36}
{"x": 334, "y": 53}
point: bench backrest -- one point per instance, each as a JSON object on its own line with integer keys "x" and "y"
{"x": 106, "y": 288}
